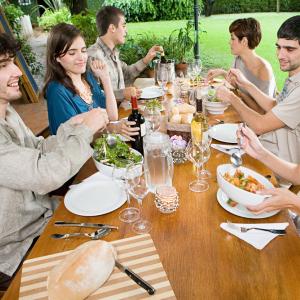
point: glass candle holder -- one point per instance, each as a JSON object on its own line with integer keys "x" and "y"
{"x": 166, "y": 199}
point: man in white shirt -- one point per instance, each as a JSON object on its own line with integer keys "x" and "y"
{"x": 279, "y": 126}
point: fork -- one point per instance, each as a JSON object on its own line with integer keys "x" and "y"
{"x": 244, "y": 229}
{"x": 93, "y": 236}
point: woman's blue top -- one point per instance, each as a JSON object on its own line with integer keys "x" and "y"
{"x": 63, "y": 103}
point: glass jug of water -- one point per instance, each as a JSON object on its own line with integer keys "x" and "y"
{"x": 158, "y": 160}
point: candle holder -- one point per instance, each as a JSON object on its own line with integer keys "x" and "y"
{"x": 166, "y": 199}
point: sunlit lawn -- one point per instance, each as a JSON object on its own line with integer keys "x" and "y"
{"x": 214, "y": 41}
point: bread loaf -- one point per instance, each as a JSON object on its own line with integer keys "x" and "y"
{"x": 82, "y": 272}
{"x": 186, "y": 118}
{"x": 186, "y": 108}
{"x": 176, "y": 119}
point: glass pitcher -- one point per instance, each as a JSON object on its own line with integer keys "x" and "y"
{"x": 158, "y": 160}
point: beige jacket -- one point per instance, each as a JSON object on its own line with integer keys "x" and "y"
{"x": 119, "y": 71}
{"x": 30, "y": 167}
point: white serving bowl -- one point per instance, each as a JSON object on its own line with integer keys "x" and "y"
{"x": 215, "y": 108}
{"x": 236, "y": 194}
{"x": 107, "y": 170}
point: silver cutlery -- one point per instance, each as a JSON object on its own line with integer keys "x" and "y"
{"x": 90, "y": 225}
{"x": 140, "y": 281}
{"x": 236, "y": 157}
{"x": 93, "y": 236}
{"x": 245, "y": 229}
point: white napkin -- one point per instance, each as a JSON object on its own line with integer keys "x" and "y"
{"x": 257, "y": 238}
{"x": 223, "y": 148}
{"x": 95, "y": 177}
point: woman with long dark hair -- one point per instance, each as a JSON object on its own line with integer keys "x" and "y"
{"x": 70, "y": 88}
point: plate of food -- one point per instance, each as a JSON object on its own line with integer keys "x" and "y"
{"x": 151, "y": 92}
{"x": 108, "y": 157}
{"x": 224, "y": 132}
{"x": 239, "y": 209}
{"x": 241, "y": 184}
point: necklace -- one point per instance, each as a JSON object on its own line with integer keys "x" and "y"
{"x": 86, "y": 95}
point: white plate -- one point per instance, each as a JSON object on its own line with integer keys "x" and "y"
{"x": 224, "y": 132}
{"x": 241, "y": 210}
{"x": 95, "y": 198}
{"x": 151, "y": 92}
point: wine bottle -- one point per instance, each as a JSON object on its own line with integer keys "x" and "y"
{"x": 199, "y": 125}
{"x": 139, "y": 120}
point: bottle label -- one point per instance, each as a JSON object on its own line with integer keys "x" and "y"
{"x": 143, "y": 129}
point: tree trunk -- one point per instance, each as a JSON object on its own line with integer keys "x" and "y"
{"x": 278, "y": 6}
{"x": 78, "y": 6}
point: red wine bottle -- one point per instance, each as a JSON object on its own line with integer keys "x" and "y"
{"x": 139, "y": 120}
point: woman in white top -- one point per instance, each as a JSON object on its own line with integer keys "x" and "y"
{"x": 245, "y": 37}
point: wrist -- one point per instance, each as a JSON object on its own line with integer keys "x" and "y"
{"x": 146, "y": 60}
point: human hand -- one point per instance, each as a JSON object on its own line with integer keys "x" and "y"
{"x": 128, "y": 91}
{"x": 215, "y": 73}
{"x": 251, "y": 143}
{"x": 95, "y": 119}
{"x": 280, "y": 198}
{"x": 224, "y": 94}
{"x": 100, "y": 70}
{"x": 152, "y": 53}
{"x": 127, "y": 130}
{"x": 236, "y": 78}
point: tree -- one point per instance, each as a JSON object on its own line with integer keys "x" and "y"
{"x": 208, "y": 6}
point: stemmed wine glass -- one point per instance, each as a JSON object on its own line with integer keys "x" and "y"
{"x": 138, "y": 188}
{"x": 162, "y": 77}
{"x": 153, "y": 118}
{"x": 129, "y": 214}
{"x": 198, "y": 153}
{"x": 205, "y": 174}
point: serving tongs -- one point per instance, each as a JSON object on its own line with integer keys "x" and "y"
{"x": 90, "y": 225}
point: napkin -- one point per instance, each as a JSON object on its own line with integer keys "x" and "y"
{"x": 257, "y": 238}
{"x": 223, "y": 148}
{"x": 95, "y": 177}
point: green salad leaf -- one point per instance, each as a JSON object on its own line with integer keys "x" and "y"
{"x": 119, "y": 155}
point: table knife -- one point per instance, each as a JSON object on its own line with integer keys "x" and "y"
{"x": 141, "y": 282}
{"x": 91, "y": 225}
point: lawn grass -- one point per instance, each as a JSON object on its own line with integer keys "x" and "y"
{"x": 214, "y": 41}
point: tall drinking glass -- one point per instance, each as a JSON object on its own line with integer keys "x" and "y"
{"x": 162, "y": 77}
{"x": 129, "y": 214}
{"x": 198, "y": 154}
{"x": 138, "y": 188}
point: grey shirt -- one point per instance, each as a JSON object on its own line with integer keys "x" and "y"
{"x": 266, "y": 86}
{"x": 119, "y": 71}
{"x": 30, "y": 168}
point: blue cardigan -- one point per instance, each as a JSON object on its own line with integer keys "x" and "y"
{"x": 63, "y": 103}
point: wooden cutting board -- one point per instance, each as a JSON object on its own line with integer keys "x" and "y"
{"x": 138, "y": 253}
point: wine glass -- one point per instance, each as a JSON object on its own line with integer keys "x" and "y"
{"x": 153, "y": 117}
{"x": 205, "y": 174}
{"x": 192, "y": 72}
{"x": 198, "y": 69}
{"x": 138, "y": 188}
{"x": 162, "y": 77}
{"x": 129, "y": 214}
{"x": 198, "y": 153}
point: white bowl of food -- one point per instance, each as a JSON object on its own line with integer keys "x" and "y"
{"x": 240, "y": 185}
{"x": 215, "y": 107}
{"x": 113, "y": 160}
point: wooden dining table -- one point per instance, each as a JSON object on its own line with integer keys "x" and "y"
{"x": 201, "y": 260}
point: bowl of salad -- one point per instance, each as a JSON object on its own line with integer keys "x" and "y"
{"x": 213, "y": 105}
{"x": 241, "y": 184}
{"x": 114, "y": 158}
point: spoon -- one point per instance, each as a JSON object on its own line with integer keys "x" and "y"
{"x": 236, "y": 157}
{"x": 111, "y": 140}
{"x": 93, "y": 236}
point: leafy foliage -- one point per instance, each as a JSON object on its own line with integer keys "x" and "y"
{"x": 135, "y": 10}
{"x": 50, "y": 18}
{"x": 86, "y": 22}
{"x": 150, "y": 10}
{"x": 242, "y": 6}
{"x": 13, "y": 14}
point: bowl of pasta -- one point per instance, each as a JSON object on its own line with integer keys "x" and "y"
{"x": 241, "y": 184}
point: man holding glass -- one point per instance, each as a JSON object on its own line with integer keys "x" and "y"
{"x": 112, "y": 28}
